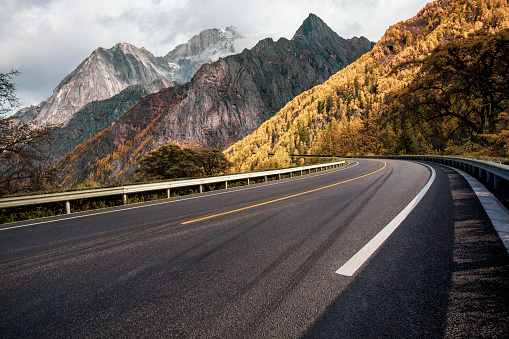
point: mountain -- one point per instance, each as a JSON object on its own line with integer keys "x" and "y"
{"x": 106, "y": 72}
{"x": 225, "y": 101}
{"x": 366, "y": 107}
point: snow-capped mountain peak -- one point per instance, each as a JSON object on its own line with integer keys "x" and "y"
{"x": 106, "y": 72}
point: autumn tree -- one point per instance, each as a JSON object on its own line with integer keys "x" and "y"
{"x": 462, "y": 86}
{"x": 23, "y": 164}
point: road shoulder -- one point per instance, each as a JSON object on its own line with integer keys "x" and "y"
{"x": 497, "y": 212}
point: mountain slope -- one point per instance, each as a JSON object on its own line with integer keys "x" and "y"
{"x": 349, "y": 113}
{"x": 97, "y": 116}
{"x": 225, "y": 101}
{"x": 109, "y": 71}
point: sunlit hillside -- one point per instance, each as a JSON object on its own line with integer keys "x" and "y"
{"x": 359, "y": 110}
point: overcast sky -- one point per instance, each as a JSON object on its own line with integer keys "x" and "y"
{"x": 47, "y": 39}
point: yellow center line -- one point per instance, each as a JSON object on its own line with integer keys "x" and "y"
{"x": 283, "y": 198}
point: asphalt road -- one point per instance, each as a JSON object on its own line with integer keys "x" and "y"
{"x": 261, "y": 261}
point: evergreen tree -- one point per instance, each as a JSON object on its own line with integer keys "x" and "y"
{"x": 172, "y": 161}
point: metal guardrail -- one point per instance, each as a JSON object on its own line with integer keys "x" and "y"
{"x": 494, "y": 175}
{"x": 67, "y": 197}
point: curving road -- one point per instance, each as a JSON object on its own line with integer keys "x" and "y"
{"x": 261, "y": 261}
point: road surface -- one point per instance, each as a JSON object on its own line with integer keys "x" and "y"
{"x": 265, "y": 261}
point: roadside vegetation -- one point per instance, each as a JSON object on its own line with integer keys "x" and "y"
{"x": 172, "y": 161}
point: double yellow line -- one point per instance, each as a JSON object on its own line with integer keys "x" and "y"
{"x": 280, "y": 199}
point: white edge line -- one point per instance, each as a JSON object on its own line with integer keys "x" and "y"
{"x": 353, "y": 264}
{"x": 63, "y": 217}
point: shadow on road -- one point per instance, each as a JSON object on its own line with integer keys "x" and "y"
{"x": 443, "y": 273}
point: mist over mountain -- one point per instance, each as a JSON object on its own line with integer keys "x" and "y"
{"x": 224, "y": 101}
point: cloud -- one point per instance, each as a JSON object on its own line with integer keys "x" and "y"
{"x": 46, "y": 40}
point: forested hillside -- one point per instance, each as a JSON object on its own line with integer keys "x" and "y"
{"x": 436, "y": 83}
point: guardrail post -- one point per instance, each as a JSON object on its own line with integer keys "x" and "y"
{"x": 124, "y": 199}
{"x": 226, "y": 184}
{"x": 496, "y": 182}
{"x": 201, "y": 188}
{"x": 168, "y": 193}
{"x": 279, "y": 176}
{"x": 265, "y": 178}
{"x": 67, "y": 207}
{"x": 248, "y": 181}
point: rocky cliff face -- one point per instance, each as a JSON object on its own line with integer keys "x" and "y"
{"x": 107, "y": 72}
{"x": 225, "y": 101}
